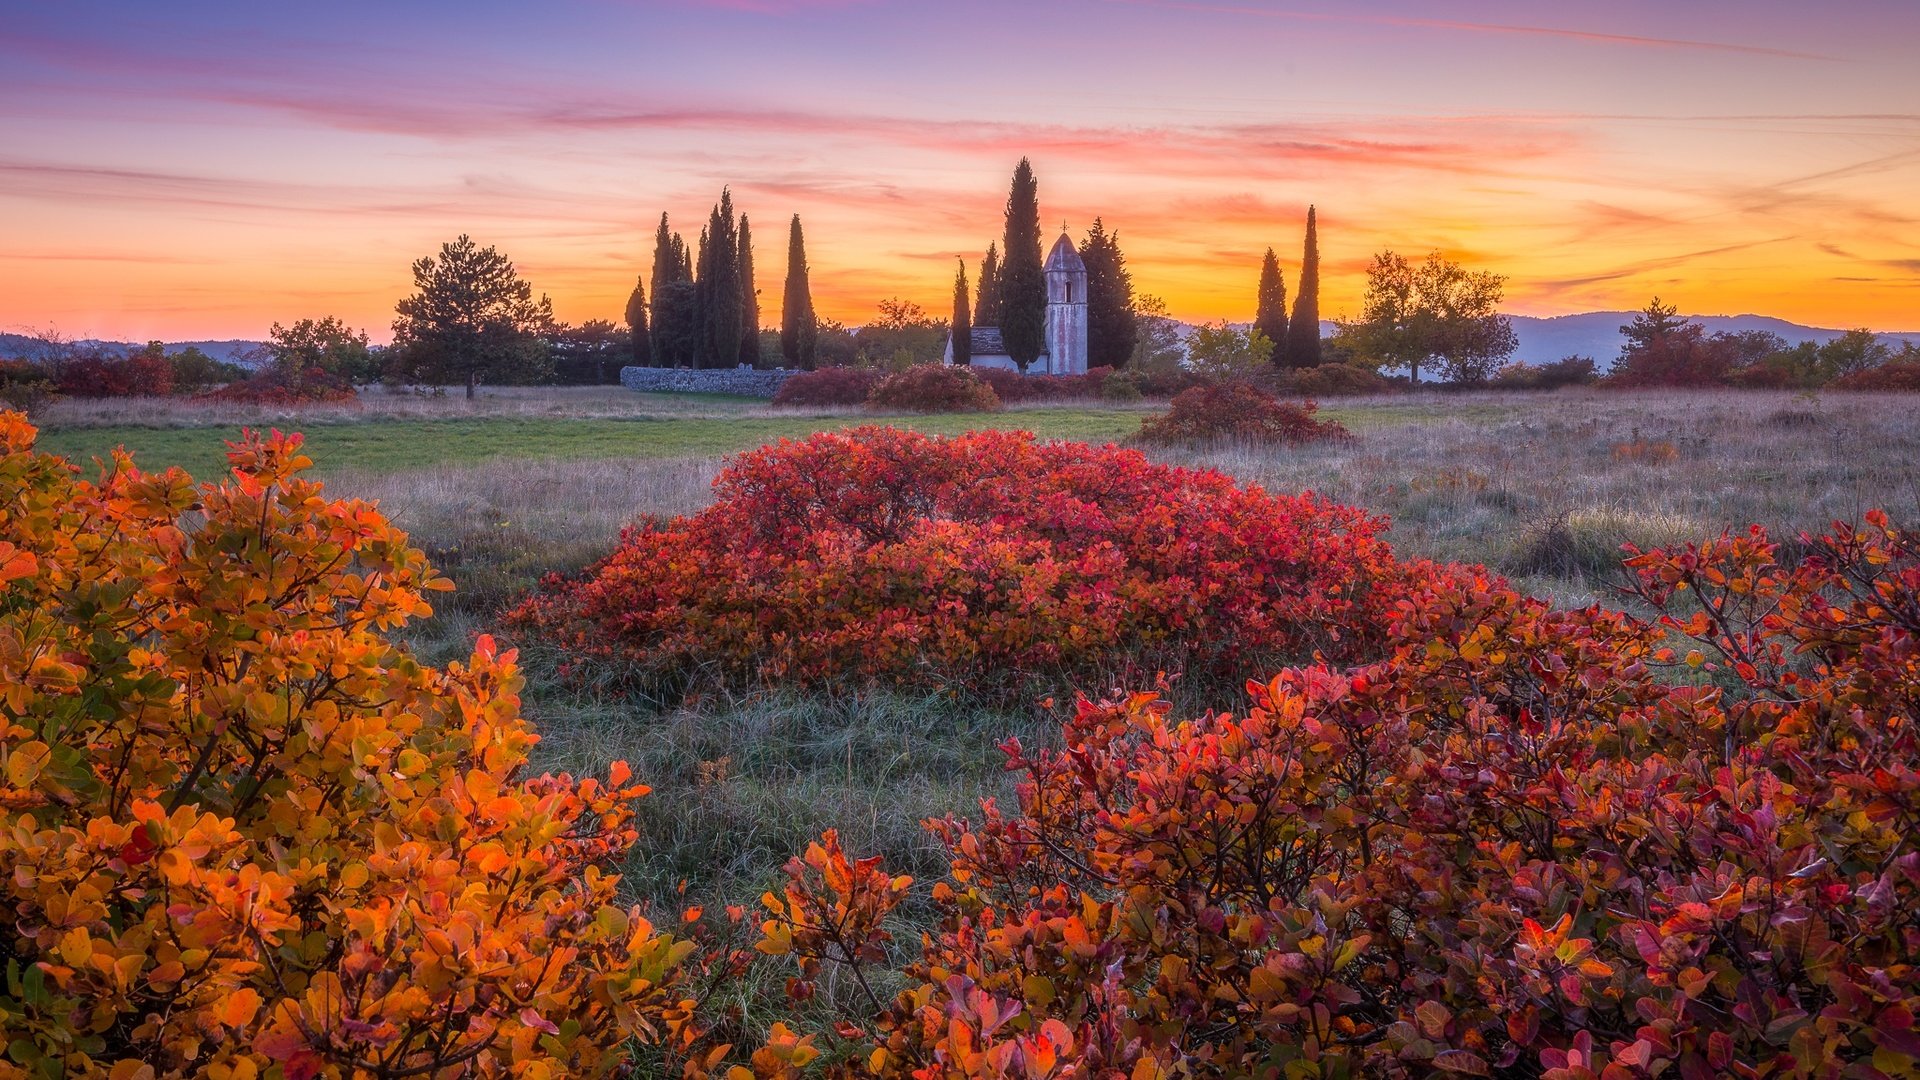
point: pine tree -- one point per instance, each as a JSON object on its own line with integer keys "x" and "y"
{"x": 1111, "y": 325}
{"x": 1303, "y": 333}
{"x": 749, "y": 300}
{"x": 637, "y": 324}
{"x": 986, "y": 303}
{"x": 962, "y": 319}
{"x": 799, "y": 330}
{"x": 1270, "y": 309}
{"x": 1023, "y": 283}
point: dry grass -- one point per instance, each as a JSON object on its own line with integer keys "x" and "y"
{"x": 1534, "y": 486}
{"x": 505, "y": 402}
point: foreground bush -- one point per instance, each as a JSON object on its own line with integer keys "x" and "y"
{"x": 988, "y": 562}
{"x": 246, "y": 835}
{"x": 1515, "y": 847}
{"x": 828, "y": 386}
{"x": 933, "y": 388}
{"x": 1238, "y": 410}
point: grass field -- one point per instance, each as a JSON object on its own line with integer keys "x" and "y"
{"x": 520, "y": 483}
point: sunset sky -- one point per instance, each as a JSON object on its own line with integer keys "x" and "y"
{"x": 200, "y": 169}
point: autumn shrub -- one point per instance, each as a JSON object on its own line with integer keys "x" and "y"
{"x": 1336, "y": 380}
{"x": 248, "y": 835}
{"x": 827, "y": 387}
{"x": 1013, "y": 388}
{"x": 1895, "y": 376}
{"x": 276, "y": 387}
{"x": 1529, "y": 842}
{"x": 1240, "y": 411}
{"x": 933, "y": 388}
{"x": 24, "y": 386}
{"x": 1570, "y": 371}
{"x": 988, "y": 563}
{"x": 95, "y": 373}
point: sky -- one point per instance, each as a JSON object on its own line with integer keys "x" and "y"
{"x": 203, "y": 169}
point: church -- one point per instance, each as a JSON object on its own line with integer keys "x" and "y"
{"x": 1066, "y": 342}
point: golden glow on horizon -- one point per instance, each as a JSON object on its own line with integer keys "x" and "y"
{"x": 1775, "y": 174}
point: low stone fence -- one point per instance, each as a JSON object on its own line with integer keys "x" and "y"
{"x": 746, "y": 382}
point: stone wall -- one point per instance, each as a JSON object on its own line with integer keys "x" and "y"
{"x": 743, "y": 381}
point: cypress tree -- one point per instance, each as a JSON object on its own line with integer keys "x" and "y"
{"x": 1111, "y": 325}
{"x": 962, "y": 319}
{"x": 1270, "y": 308}
{"x": 1303, "y": 333}
{"x": 986, "y": 303}
{"x": 637, "y": 324}
{"x": 666, "y": 261}
{"x": 798, "y": 329}
{"x": 671, "y": 303}
{"x": 718, "y": 287}
{"x": 1023, "y": 283}
{"x": 749, "y": 300}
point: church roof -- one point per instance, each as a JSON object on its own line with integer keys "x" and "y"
{"x": 987, "y": 341}
{"x": 1064, "y": 256}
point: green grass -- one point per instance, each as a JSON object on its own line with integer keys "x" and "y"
{"x": 395, "y": 445}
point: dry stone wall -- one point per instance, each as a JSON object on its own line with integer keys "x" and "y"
{"x": 746, "y": 382}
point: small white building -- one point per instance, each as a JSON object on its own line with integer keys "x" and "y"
{"x": 1066, "y": 347}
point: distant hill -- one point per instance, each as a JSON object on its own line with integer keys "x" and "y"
{"x": 1597, "y": 333}
{"x": 233, "y": 351}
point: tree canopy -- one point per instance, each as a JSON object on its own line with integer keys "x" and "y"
{"x": 1437, "y": 312}
{"x": 471, "y": 319}
{"x": 1111, "y": 325}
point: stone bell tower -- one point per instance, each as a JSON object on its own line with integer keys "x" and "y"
{"x": 1066, "y": 309}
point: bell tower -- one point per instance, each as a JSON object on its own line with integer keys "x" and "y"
{"x": 1066, "y": 309}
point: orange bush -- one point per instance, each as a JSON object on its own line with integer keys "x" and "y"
{"x": 1514, "y": 847}
{"x": 1238, "y": 410}
{"x": 247, "y": 835}
{"x": 990, "y": 562}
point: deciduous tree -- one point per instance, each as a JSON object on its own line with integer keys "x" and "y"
{"x": 1436, "y": 312}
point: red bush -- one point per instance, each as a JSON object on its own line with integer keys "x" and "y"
{"x": 828, "y": 386}
{"x": 1238, "y": 410}
{"x": 1336, "y": 380}
{"x": 1517, "y": 846}
{"x": 266, "y": 388}
{"x": 1896, "y": 376}
{"x": 1014, "y": 388}
{"x": 988, "y": 561}
{"x": 146, "y": 373}
{"x": 933, "y": 388}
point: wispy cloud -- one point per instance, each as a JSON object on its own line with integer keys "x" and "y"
{"x": 1588, "y": 36}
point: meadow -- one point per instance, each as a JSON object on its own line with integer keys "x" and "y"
{"x": 499, "y": 492}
